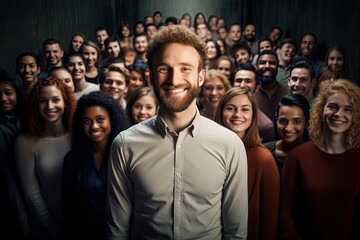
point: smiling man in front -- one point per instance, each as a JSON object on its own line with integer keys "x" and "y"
{"x": 177, "y": 175}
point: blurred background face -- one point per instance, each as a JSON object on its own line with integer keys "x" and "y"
{"x": 223, "y": 33}
{"x": 211, "y": 50}
{"x": 125, "y": 31}
{"x": 224, "y": 67}
{"x": 335, "y": 61}
{"x": 90, "y": 54}
{"x": 136, "y": 81}
{"x": 275, "y": 34}
{"x": 115, "y": 85}
{"x": 113, "y": 49}
{"x": 235, "y": 33}
{"x": 213, "y": 90}
{"x": 65, "y": 76}
{"x": 8, "y": 99}
{"x": 250, "y": 32}
{"x": 265, "y": 45}
{"x": 144, "y": 108}
{"x": 308, "y": 45}
{"x": 287, "y": 52}
{"x": 53, "y": 54}
{"x": 76, "y": 43}
{"x": 27, "y": 69}
{"x": 76, "y": 67}
{"x": 101, "y": 36}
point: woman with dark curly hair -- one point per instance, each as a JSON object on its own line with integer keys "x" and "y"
{"x": 320, "y": 197}
{"x": 98, "y": 120}
{"x": 39, "y": 152}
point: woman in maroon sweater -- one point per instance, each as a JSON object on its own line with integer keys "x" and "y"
{"x": 237, "y": 111}
{"x": 321, "y": 180}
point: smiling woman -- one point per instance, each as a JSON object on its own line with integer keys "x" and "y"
{"x": 97, "y": 121}
{"x": 238, "y": 112}
{"x": 292, "y": 118}
{"x": 48, "y": 116}
{"x": 321, "y": 177}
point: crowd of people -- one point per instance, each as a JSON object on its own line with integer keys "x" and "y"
{"x": 180, "y": 129}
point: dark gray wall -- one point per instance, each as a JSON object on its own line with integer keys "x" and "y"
{"x": 25, "y": 24}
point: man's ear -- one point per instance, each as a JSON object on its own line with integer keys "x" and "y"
{"x": 201, "y": 77}
{"x": 313, "y": 82}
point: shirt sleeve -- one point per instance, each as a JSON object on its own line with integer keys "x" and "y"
{"x": 235, "y": 194}
{"x": 120, "y": 194}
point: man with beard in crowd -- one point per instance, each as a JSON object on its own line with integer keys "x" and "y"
{"x": 270, "y": 91}
{"x": 308, "y": 47}
{"x": 250, "y": 38}
{"x": 141, "y": 44}
{"x": 177, "y": 175}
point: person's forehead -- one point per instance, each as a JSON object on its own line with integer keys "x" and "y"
{"x": 53, "y": 46}
{"x": 101, "y": 32}
{"x": 114, "y": 75}
{"x": 287, "y": 45}
{"x": 235, "y": 27}
{"x": 308, "y": 38}
{"x": 250, "y": 27}
{"x": 265, "y": 43}
{"x": 245, "y": 73}
{"x": 268, "y": 57}
{"x": 141, "y": 38}
{"x": 27, "y": 59}
{"x": 303, "y": 71}
{"x": 183, "y": 50}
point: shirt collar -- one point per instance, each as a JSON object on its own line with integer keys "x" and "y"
{"x": 193, "y": 128}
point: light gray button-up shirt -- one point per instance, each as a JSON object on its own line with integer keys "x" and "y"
{"x": 164, "y": 185}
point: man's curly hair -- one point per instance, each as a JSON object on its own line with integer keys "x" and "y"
{"x": 177, "y": 34}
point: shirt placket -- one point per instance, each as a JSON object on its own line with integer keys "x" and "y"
{"x": 178, "y": 186}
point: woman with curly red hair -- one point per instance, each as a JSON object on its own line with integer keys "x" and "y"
{"x": 320, "y": 191}
{"x": 39, "y": 152}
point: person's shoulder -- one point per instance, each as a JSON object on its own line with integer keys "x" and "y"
{"x": 213, "y": 126}
{"x": 261, "y": 152}
{"x": 93, "y": 86}
{"x": 138, "y": 131}
{"x": 303, "y": 150}
{"x": 215, "y": 131}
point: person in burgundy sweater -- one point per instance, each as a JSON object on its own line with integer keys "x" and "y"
{"x": 321, "y": 182}
{"x": 237, "y": 111}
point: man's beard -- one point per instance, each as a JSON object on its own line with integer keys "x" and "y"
{"x": 267, "y": 80}
{"x": 249, "y": 38}
{"x": 175, "y": 104}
